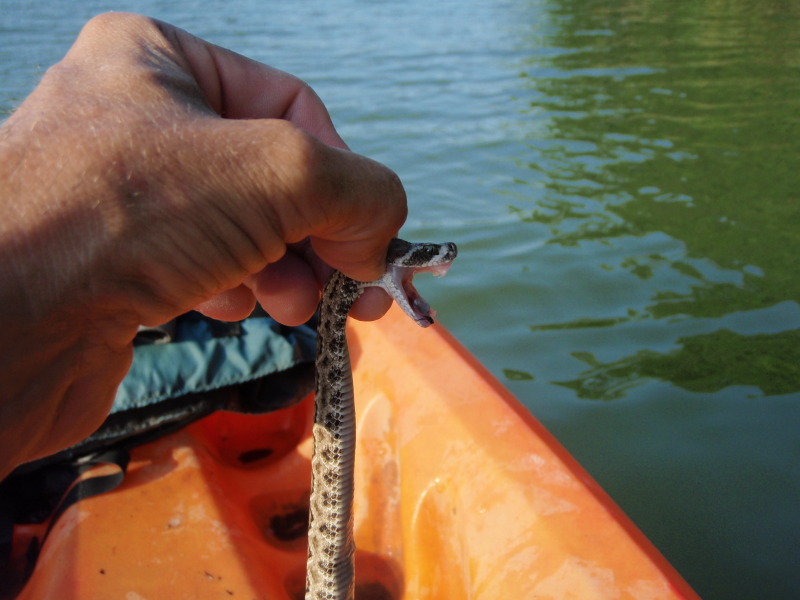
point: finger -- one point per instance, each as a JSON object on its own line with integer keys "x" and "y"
{"x": 284, "y": 180}
{"x": 237, "y": 87}
{"x": 240, "y": 88}
{"x": 233, "y": 86}
{"x": 232, "y": 305}
{"x": 363, "y": 209}
{"x": 288, "y": 289}
{"x": 371, "y": 305}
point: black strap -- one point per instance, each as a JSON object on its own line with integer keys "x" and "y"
{"x": 16, "y": 509}
{"x": 93, "y": 486}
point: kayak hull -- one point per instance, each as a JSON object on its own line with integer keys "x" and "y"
{"x": 460, "y": 493}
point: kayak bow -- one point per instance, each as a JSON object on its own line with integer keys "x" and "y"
{"x": 459, "y": 493}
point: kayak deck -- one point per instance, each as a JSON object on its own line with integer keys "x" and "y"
{"x": 460, "y": 493}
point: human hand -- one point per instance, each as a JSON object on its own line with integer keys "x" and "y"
{"x": 151, "y": 173}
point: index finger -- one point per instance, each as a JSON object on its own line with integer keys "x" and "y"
{"x": 237, "y": 87}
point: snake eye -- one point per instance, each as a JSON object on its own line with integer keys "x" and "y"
{"x": 406, "y": 254}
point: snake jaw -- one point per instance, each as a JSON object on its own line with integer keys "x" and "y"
{"x": 397, "y": 281}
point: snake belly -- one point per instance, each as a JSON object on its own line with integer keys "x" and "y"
{"x": 329, "y": 572}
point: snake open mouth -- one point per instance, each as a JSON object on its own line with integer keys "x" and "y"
{"x": 422, "y": 312}
{"x": 398, "y": 283}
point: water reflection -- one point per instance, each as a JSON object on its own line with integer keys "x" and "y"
{"x": 705, "y": 363}
{"x": 680, "y": 120}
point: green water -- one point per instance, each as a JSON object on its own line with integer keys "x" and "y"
{"x": 665, "y": 182}
{"x": 622, "y": 180}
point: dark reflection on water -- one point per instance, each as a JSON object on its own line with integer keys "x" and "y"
{"x": 681, "y": 119}
{"x": 705, "y": 363}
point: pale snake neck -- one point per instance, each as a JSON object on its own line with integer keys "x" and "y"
{"x": 330, "y": 570}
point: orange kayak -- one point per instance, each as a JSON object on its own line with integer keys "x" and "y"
{"x": 460, "y": 493}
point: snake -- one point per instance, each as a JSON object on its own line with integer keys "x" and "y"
{"x": 330, "y": 573}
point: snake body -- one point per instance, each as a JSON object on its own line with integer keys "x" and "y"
{"x": 330, "y": 569}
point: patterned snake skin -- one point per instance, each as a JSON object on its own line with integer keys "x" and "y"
{"x": 330, "y": 573}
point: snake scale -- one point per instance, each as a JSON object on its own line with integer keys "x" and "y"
{"x": 330, "y": 570}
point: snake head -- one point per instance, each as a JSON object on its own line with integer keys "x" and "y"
{"x": 406, "y": 259}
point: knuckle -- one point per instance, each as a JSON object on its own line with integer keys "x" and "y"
{"x": 295, "y": 154}
{"x": 395, "y": 201}
{"x": 281, "y": 164}
{"x": 105, "y": 23}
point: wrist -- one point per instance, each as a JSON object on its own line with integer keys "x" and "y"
{"x": 56, "y": 319}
